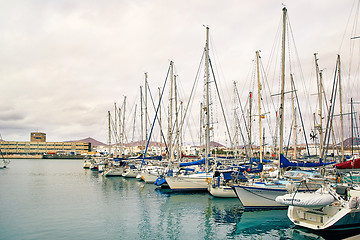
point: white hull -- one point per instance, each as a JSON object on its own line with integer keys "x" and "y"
{"x": 189, "y": 182}
{"x": 340, "y": 215}
{"x": 130, "y": 173}
{"x": 331, "y": 217}
{"x": 222, "y": 191}
{"x": 114, "y": 172}
{"x": 260, "y": 197}
{"x": 149, "y": 177}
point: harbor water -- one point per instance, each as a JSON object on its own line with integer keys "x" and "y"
{"x": 58, "y": 199}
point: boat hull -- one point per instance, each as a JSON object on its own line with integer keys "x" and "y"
{"x": 259, "y": 197}
{"x": 327, "y": 219}
{"x": 149, "y": 177}
{"x": 114, "y": 172}
{"x": 222, "y": 191}
{"x": 130, "y": 173}
{"x": 188, "y": 183}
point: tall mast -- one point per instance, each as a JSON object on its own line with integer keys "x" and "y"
{"x": 319, "y": 82}
{"x": 341, "y": 112}
{"x": 281, "y": 114}
{"x": 201, "y": 126}
{"x": 122, "y": 129}
{"x": 117, "y": 141}
{"x": 146, "y": 111}
{"x": 119, "y": 117}
{"x": 160, "y": 122}
{"x": 109, "y": 141}
{"x": 235, "y": 125}
{"x": 176, "y": 121}
{"x": 133, "y": 133}
{"x": 250, "y": 123}
{"x": 259, "y": 102}
{"x": 294, "y": 116}
{"x": 142, "y": 120}
{"x": 207, "y": 130}
{"x": 170, "y": 111}
{"x": 352, "y": 127}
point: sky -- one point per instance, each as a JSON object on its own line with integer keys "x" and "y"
{"x": 65, "y": 63}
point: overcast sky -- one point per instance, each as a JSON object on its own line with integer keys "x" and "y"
{"x": 65, "y": 62}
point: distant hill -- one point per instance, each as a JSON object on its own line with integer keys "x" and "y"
{"x": 92, "y": 141}
{"x": 348, "y": 142}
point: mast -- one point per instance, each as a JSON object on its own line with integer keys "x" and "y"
{"x": 281, "y": 113}
{"x": 142, "y": 120}
{"x": 352, "y": 127}
{"x": 160, "y": 122}
{"x": 201, "y": 126}
{"x": 259, "y": 103}
{"x": 119, "y": 126}
{"x": 109, "y": 141}
{"x": 207, "y": 130}
{"x": 294, "y": 116}
{"x": 170, "y": 155}
{"x": 250, "y": 123}
{"x": 319, "y": 82}
{"x": 133, "y": 133}
{"x": 236, "y": 127}
{"x": 116, "y": 129}
{"x": 176, "y": 121}
{"x": 122, "y": 129}
{"x": 146, "y": 111}
{"x": 341, "y": 112}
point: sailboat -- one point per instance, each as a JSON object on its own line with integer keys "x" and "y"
{"x": 262, "y": 194}
{"x": 198, "y": 181}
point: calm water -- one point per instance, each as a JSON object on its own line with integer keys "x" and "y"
{"x": 58, "y": 199}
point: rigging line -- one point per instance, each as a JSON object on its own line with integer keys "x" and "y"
{"x": 330, "y": 113}
{"x": 352, "y": 43}
{"x": 242, "y": 135}
{"x": 347, "y": 23}
{"x": 242, "y": 113}
{"x": 157, "y": 110}
{"x": 222, "y": 107}
{"x": 192, "y": 90}
{"x": 271, "y": 99}
{"x": 300, "y": 68}
{"x": 152, "y": 101}
{"x": 290, "y": 132}
{"x": 301, "y": 118}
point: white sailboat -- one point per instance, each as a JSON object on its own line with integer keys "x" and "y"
{"x": 262, "y": 194}
{"x": 197, "y": 181}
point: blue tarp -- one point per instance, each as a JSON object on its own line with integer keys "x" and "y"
{"x": 199, "y": 162}
{"x": 284, "y": 162}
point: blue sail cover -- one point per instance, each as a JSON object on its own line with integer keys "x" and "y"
{"x": 199, "y": 162}
{"x": 284, "y": 162}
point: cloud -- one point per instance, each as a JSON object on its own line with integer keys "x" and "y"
{"x": 64, "y": 63}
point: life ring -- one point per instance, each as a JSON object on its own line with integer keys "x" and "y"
{"x": 208, "y": 180}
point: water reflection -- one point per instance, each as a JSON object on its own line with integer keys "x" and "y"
{"x": 146, "y": 211}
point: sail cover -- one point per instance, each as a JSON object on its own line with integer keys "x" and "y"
{"x": 310, "y": 200}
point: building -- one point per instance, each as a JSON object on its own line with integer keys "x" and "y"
{"x": 38, "y": 145}
{"x": 37, "y": 137}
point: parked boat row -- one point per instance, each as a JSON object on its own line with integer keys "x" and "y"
{"x": 314, "y": 191}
